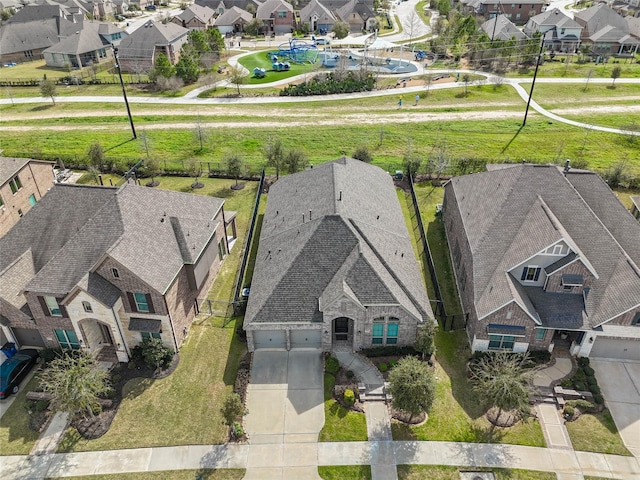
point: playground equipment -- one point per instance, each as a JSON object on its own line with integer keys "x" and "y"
{"x": 297, "y": 51}
{"x": 259, "y": 72}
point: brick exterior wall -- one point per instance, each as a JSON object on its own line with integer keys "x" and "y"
{"x": 36, "y": 178}
{"x": 45, "y": 322}
{"x": 512, "y": 10}
{"x": 554, "y": 281}
{"x": 518, "y": 318}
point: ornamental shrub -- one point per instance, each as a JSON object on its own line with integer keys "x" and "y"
{"x": 349, "y": 397}
{"x": 592, "y": 381}
{"x": 332, "y": 365}
{"x": 383, "y": 367}
{"x": 583, "y": 361}
{"x": 599, "y": 399}
{"x": 236, "y": 430}
{"x": 589, "y": 372}
{"x": 350, "y": 374}
{"x": 568, "y": 411}
{"x": 595, "y": 389}
{"x": 579, "y": 386}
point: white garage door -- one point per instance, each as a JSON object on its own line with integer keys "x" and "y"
{"x": 269, "y": 339}
{"x": 306, "y": 339}
{"x": 620, "y": 349}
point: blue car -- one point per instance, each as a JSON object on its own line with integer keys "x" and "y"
{"x": 15, "y": 369}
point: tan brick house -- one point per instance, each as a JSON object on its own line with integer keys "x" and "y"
{"x": 335, "y": 266}
{"x": 23, "y": 182}
{"x": 544, "y": 256}
{"x": 102, "y": 268}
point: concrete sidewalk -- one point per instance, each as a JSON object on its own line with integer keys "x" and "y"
{"x": 563, "y": 462}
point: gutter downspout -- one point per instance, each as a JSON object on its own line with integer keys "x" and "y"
{"x": 124, "y": 340}
{"x": 173, "y": 330}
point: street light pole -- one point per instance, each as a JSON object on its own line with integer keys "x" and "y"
{"x": 533, "y": 83}
{"x": 124, "y": 92}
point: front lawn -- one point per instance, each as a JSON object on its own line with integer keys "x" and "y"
{"x": 596, "y": 433}
{"x": 457, "y": 415}
{"x": 16, "y": 438}
{"x": 439, "y": 472}
{"x": 345, "y": 472}
{"x": 204, "y": 473}
{"x": 340, "y": 424}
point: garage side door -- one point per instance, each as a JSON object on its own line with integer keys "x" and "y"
{"x": 618, "y": 348}
{"x": 306, "y": 339}
{"x": 28, "y": 337}
{"x": 269, "y": 339}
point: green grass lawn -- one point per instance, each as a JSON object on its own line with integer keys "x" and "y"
{"x": 456, "y": 414}
{"x": 340, "y": 424}
{"x": 205, "y": 474}
{"x": 596, "y": 433}
{"x": 559, "y": 68}
{"x": 261, "y": 59}
{"x": 16, "y": 438}
{"x": 345, "y": 472}
{"x": 439, "y": 472}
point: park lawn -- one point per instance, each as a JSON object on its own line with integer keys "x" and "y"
{"x": 204, "y": 473}
{"x": 16, "y": 438}
{"x": 441, "y": 472}
{"x": 548, "y": 94}
{"x": 596, "y": 433}
{"x": 262, "y": 59}
{"x": 559, "y": 68}
{"x": 340, "y": 424}
{"x": 456, "y": 414}
{"x": 345, "y": 472}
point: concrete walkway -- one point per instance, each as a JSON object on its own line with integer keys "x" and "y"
{"x": 383, "y": 459}
{"x": 569, "y": 464}
{"x": 550, "y": 376}
{"x": 365, "y": 371}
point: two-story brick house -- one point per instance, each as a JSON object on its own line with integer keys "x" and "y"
{"x": 335, "y": 266}
{"x": 541, "y": 255}
{"x": 518, "y": 12}
{"x": 23, "y": 182}
{"x": 277, "y": 17}
{"x": 195, "y": 17}
{"x": 95, "y": 267}
{"x": 561, "y": 33}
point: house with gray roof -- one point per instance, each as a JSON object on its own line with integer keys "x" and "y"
{"x": 561, "y": 33}
{"x": 358, "y": 14}
{"x": 102, "y": 268}
{"x": 277, "y": 16}
{"x": 233, "y": 20}
{"x": 606, "y": 31}
{"x": 141, "y": 48}
{"x": 318, "y": 16}
{"x": 518, "y": 13}
{"x": 543, "y": 256}
{"x": 195, "y": 17}
{"x": 501, "y": 28}
{"x": 635, "y": 207}
{"x": 335, "y": 265}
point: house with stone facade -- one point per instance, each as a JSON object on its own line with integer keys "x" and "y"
{"x": 607, "y": 32}
{"x": 277, "y": 17}
{"x": 23, "y": 182}
{"x": 102, "y": 268}
{"x": 545, "y": 256}
{"x": 561, "y": 33}
{"x": 195, "y": 17}
{"x": 335, "y": 266}
{"x": 139, "y": 51}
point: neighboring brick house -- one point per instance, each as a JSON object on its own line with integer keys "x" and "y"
{"x": 102, "y": 268}
{"x": 318, "y": 16}
{"x": 23, "y": 182}
{"x": 277, "y": 17}
{"x": 233, "y": 20}
{"x": 335, "y": 265}
{"x": 606, "y": 31}
{"x": 541, "y": 255}
{"x": 561, "y": 33}
{"x": 358, "y": 14}
{"x": 139, "y": 51}
{"x": 518, "y": 13}
{"x": 195, "y": 17}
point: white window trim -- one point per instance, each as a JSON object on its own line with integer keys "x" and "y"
{"x": 50, "y": 301}
{"x": 534, "y": 268}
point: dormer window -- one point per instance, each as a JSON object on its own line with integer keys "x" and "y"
{"x": 530, "y": 273}
{"x": 87, "y": 307}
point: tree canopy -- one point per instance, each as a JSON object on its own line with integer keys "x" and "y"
{"x": 412, "y": 385}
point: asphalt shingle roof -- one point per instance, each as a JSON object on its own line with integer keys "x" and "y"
{"x": 337, "y": 228}
{"x": 511, "y": 214}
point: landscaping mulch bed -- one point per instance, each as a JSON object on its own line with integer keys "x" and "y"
{"x": 404, "y": 417}
{"x": 344, "y": 382}
{"x": 91, "y": 428}
{"x": 243, "y": 378}
{"x": 506, "y": 418}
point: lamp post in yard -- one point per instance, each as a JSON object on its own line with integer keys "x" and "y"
{"x": 124, "y": 92}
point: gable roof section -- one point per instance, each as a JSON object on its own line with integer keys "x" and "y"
{"x": 355, "y": 6}
{"x": 142, "y": 42}
{"x": 554, "y": 17}
{"x": 345, "y": 225}
{"x": 528, "y": 206}
{"x": 199, "y": 12}
{"x": 600, "y": 16}
{"x": 266, "y": 9}
{"x": 9, "y": 167}
{"x": 33, "y": 35}
{"x": 86, "y": 40}
{"x": 315, "y": 7}
{"x": 231, "y": 16}
{"x": 502, "y": 28}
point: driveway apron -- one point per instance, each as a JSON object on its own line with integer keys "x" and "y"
{"x": 286, "y": 413}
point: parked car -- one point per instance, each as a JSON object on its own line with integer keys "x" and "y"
{"x": 321, "y": 40}
{"x": 15, "y": 369}
{"x": 120, "y": 18}
{"x": 151, "y": 7}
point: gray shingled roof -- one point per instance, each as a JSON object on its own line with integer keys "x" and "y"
{"x": 553, "y": 17}
{"x": 502, "y": 28}
{"x": 267, "y": 8}
{"x": 99, "y": 288}
{"x": 231, "y": 16}
{"x": 142, "y": 42}
{"x": 130, "y": 224}
{"x": 10, "y": 166}
{"x": 199, "y": 12}
{"x": 145, "y": 325}
{"x": 511, "y": 214}
{"x": 86, "y": 40}
{"x": 337, "y": 228}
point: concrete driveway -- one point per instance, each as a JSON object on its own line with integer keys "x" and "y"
{"x": 286, "y": 413}
{"x": 620, "y": 384}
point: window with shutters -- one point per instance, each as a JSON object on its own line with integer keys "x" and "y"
{"x": 530, "y": 273}
{"x": 53, "y": 306}
{"x": 142, "y": 303}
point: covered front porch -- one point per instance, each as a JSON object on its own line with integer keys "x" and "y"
{"x": 102, "y": 341}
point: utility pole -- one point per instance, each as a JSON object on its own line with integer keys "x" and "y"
{"x": 533, "y": 83}
{"x": 124, "y": 92}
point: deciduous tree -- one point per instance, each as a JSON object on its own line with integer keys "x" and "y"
{"x": 274, "y": 153}
{"x": 412, "y": 385}
{"x": 340, "y": 30}
{"x": 295, "y": 160}
{"x": 425, "y": 339}
{"x": 48, "y": 89}
{"x": 615, "y": 74}
{"x": 234, "y": 165}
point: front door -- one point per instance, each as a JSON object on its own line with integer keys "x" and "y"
{"x": 107, "y": 339}
{"x": 341, "y": 329}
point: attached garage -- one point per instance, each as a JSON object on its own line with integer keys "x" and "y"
{"x": 616, "y": 348}
{"x": 269, "y": 339}
{"x": 28, "y": 337}
{"x": 306, "y": 338}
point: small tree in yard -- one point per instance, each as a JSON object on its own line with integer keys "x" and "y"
{"x": 425, "y": 339}
{"x": 234, "y": 167}
{"x": 194, "y": 169}
{"x": 615, "y": 74}
{"x": 154, "y": 353}
{"x": 152, "y": 169}
{"x": 48, "y": 89}
{"x": 274, "y": 154}
{"x": 237, "y": 78}
{"x": 503, "y": 380}
{"x": 75, "y": 383}
{"x": 340, "y": 29}
{"x": 232, "y": 408}
{"x": 295, "y": 160}
{"x": 96, "y": 155}
{"x": 413, "y": 386}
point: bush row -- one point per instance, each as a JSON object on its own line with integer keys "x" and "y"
{"x": 329, "y": 84}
